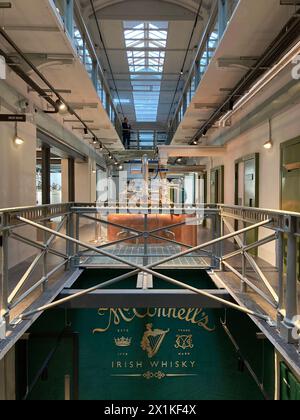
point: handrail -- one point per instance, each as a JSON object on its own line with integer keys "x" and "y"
{"x": 253, "y": 218}
{"x": 90, "y": 46}
{"x": 200, "y": 50}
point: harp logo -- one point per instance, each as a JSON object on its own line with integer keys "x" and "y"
{"x": 152, "y": 340}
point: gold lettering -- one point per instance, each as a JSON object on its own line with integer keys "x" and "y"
{"x": 182, "y": 314}
{"x": 115, "y": 316}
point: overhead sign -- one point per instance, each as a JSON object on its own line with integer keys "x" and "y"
{"x": 2, "y": 68}
{"x": 12, "y": 118}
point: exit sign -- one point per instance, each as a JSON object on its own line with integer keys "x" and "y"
{"x": 12, "y": 118}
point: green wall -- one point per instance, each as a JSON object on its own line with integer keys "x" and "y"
{"x": 195, "y": 359}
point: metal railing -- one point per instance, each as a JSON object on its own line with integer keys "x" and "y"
{"x": 206, "y": 51}
{"x": 282, "y": 295}
{"x": 75, "y": 27}
{"x": 147, "y": 139}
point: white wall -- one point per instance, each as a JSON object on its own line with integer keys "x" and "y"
{"x": 85, "y": 182}
{"x": 17, "y": 178}
{"x": 285, "y": 126}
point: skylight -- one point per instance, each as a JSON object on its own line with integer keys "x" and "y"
{"x": 145, "y": 44}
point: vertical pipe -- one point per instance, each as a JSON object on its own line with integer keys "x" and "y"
{"x": 46, "y": 174}
{"x": 67, "y": 388}
{"x": 280, "y": 264}
{"x": 214, "y": 249}
{"x": 69, "y": 17}
{"x": 244, "y": 261}
{"x": 146, "y": 263}
{"x": 71, "y": 179}
{"x": 45, "y": 257}
{"x": 77, "y": 232}
{"x": 222, "y": 17}
{"x": 4, "y": 313}
{"x": 222, "y": 233}
{"x": 291, "y": 292}
{"x": 70, "y": 232}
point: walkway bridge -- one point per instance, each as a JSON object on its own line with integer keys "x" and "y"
{"x": 67, "y": 239}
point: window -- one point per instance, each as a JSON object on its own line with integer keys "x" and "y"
{"x": 146, "y": 43}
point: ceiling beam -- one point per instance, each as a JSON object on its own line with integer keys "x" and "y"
{"x": 31, "y": 28}
{"x": 166, "y": 152}
{"x": 143, "y": 299}
{"x": 149, "y": 49}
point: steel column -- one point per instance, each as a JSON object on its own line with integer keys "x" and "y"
{"x": 146, "y": 236}
{"x": 46, "y": 156}
{"x": 291, "y": 287}
{"x": 222, "y": 17}
{"x": 280, "y": 265}
{"x": 69, "y": 17}
{"x": 4, "y": 278}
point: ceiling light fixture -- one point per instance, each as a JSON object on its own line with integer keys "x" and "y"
{"x": 269, "y": 144}
{"x": 61, "y": 106}
{"x": 17, "y": 139}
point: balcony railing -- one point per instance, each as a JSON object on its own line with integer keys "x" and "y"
{"x": 147, "y": 139}
{"x": 76, "y": 29}
{"x": 207, "y": 48}
{"x": 78, "y": 249}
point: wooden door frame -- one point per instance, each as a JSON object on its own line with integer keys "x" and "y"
{"x": 221, "y": 170}
{"x": 282, "y": 147}
{"x": 256, "y": 157}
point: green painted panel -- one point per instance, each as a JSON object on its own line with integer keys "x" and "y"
{"x": 153, "y": 354}
{"x": 290, "y": 386}
{"x": 290, "y": 188}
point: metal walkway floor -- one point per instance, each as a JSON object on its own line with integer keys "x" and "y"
{"x": 135, "y": 254}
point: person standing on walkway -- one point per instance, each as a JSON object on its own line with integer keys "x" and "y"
{"x": 126, "y": 133}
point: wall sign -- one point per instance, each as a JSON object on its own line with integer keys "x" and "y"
{"x": 12, "y": 118}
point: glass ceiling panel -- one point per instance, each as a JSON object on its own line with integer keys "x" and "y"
{"x": 145, "y": 43}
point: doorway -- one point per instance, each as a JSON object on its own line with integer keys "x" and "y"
{"x": 247, "y": 188}
{"x": 217, "y": 185}
{"x": 290, "y": 182}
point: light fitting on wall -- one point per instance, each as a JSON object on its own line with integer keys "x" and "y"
{"x": 17, "y": 139}
{"x": 61, "y": 106}
{"x": 269, "y": 144}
